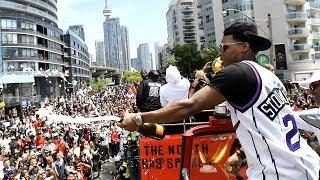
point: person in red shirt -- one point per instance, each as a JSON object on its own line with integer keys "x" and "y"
{"x": 40, "y": 140}
{"x": 37, "y": 125}
{"x": 114, "y": 142}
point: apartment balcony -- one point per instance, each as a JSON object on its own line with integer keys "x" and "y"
{"x": 42, "y": 4}
{"x": 300, "y": 48}
{"x": 187, "y": 10}
{"x": 297, "y": 16}
{"x": 189, "y": 31}
{"x": 187, "y": 17}
{"x": 189, "y": 39}
{"x": 28, "y": 10}
{"x": 315, "y": 6}
{"x": 295, "y": 2}
{"x": 316, "y": 35}
{"x": 315, "y": 21}
{"x": 189, "y": 24}
{"x": 316, "y": 48}
{"x": 301, "y": 60}
{"x": 298, "y": 33}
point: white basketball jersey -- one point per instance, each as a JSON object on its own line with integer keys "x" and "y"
{"x": 268, "y": 133}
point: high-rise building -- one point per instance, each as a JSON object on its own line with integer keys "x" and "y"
{"x": 100, "y": 60}
{"x": 143, "y": 53}
{"x": 112, "y": 42}
{"x": 294, "y": 31}
{"x": 78, "y": 59}
{"x": 32, "y": 51}
{"x": 79, "y": 30}
{"x": 125, "y": 50}
{"x": 136, "y": 64}
{"x": 164, "y": 55}
{"x": 183, "y": 24}
{"x": 116, "y": 42}
{"x": 157, "y": 51}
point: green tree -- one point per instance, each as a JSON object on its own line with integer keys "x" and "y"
{"x": 131, "y": 77}
{"x": 187, "y": 57}
{"x": 98, "y": 84}
{"x": 211, "y": 53}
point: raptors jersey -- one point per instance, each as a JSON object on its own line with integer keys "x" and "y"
{"x": 268, "y": 133}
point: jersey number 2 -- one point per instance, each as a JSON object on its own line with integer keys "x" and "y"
{"x": 292, "y": 146}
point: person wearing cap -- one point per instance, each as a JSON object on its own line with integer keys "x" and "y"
{"x": 260, "y": 112}
{"x": 148, "y": 98}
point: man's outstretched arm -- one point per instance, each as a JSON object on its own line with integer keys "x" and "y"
{"x": 205, "y": 98}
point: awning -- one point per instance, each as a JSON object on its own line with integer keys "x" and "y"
{"x": 16, "y": 79}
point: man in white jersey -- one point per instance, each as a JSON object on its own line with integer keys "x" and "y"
{"x": 260, "y": 111}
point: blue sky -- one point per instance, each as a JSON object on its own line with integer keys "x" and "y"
{"x": 145, "y": 19}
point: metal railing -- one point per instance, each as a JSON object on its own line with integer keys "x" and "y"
{"x": 297, "y": 15}
{"x": 43, "y": 5}
{"x": 316, "y": 48}
{"x": 294, "y": 1}
{"x": 301, "y": 47}
{"x": 315, "y": 21}
{"x": 28, "y": 9}
{"x": 315, "y": 5}
{"x": 316, "y": 35}
{"x": 298, "y": 31}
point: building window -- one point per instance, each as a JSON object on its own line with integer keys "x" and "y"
{"x": 8, "y": 24}
{"x": 28, "y": 25}
{"x": 8, "y": 38}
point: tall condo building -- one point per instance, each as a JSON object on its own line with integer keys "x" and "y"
{"x": 116, "y": 42}
{"x": 294, "y": 30}
{"x": 32, "y": 51}
{"x": 143, "y": 53}
{"x": 79, "y": 30}
{"x": 136, "y": 64}
{"x": 112, "y": 42}
{"x": 157, "y": 51}
{"x": 78, "y": 59}
{"x": 183, "y": 23}
{"x": 125, "y": 50}
{"x": 100, "y": 60}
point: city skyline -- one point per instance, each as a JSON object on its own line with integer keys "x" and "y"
{"x": 145, "y": 19}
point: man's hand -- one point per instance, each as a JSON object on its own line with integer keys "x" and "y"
{"x": 233, "y": 164}
{"x": 129, "y": 122}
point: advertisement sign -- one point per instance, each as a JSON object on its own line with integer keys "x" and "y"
{"x": 263, "y": 59}
{"x": 162, "y": 159}
{"x": 281, "y": 59}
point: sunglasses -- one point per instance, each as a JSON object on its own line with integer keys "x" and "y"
{"x": 223, "y": 47}
{"x": 314, "y": 85}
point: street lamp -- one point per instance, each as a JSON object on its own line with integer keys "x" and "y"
{"x": 225, "y": 13}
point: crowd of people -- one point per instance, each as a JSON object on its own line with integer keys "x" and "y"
{"x": 34, "y": 146}
{"x": 301, "y": 98}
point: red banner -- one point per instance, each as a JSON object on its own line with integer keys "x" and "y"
{"x": 161, "y": 159}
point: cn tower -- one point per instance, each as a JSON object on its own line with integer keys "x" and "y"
{"x": 107, "y": 10}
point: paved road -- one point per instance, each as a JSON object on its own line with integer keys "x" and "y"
{"x": 105, "y": 173}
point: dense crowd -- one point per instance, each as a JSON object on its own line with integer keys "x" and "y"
{"x": 301, "y": 98}
{"x": 34, "y": 146}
